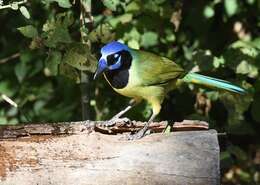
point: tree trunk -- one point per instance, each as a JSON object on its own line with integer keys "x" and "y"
{"x": 70, "y": 153}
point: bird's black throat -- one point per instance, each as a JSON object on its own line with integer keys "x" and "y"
{"x": 118, "y": 78}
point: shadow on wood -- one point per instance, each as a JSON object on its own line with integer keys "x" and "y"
{"x": 81, "y": 157}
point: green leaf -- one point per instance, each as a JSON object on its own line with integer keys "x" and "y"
{"x": 28, "y": 31}
{"x": 38, "y": 105}
{"x": 3, "y": 120}
{"x": 80, "y": 57}
{"x": 36, "y": 68}
{"x": 25, "y": 12}
{"x": 231, "y": 7}
{"x": 111, "y": 4}
{"x": 6, "y": 88}
{"x": 56, "y": 30}
{"x": 248, "y": 69}
{"x": 59, "y": 35}
{"x": 21, "y": 70}
{"x": 52, "y": 62}
{"x": 256, "y": 43}
{"x": 170, "y": 36}
{"x": 133, "y": 44}
{"x": 208, "y": 12}
{"x": 218, "y": 61}
{"x": 125, "y": 18}
{"x": 64, "y": 3}
{"x": 132, "y": 34}
{"x": 133, "y": 6}
{"x": 149, "y": 39}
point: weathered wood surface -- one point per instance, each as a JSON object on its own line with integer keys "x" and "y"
{"x": 74, "y": 155}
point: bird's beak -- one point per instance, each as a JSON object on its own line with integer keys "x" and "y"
{"x": 102, "y": 67}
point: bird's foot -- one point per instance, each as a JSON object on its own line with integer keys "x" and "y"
{"x": 112, "y": 122}
{"x": 138, "y": 135}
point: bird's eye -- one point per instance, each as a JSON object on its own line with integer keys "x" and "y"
{"x": 112, "y": 59}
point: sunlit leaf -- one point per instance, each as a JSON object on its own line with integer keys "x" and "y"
{"x": 125, "y": 18}
{"x": 208, "y": 12}
{"x": 25, "y": 12}
{"x": 133, "y": 44}
{"x": 149, "y": 39}
{"x": 28, "y": 31}
{"x": 247, "y": 69}
{"x": 231, "y": 7}
{"x": 133, "y": 6}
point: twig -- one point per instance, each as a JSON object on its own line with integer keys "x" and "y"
{"x": 9, "y": 100}
{"x": 13, "y": 56}
{"x": 11, "y": 5}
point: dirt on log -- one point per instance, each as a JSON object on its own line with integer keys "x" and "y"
{"x": 72, "y": 153}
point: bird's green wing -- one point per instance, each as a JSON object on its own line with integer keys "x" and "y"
{"x": 154, "y": 70}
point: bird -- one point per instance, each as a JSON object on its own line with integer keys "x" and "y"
{"x": 142, "y": 75}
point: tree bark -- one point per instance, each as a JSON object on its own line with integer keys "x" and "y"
{"x": 72, "y": 153}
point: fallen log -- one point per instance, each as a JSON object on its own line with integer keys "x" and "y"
{"x": 72, "y": 153}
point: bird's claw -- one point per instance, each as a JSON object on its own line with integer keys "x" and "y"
{"x": 138, "y": 135}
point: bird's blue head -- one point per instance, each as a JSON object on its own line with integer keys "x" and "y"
{"x": 113, "y": 56}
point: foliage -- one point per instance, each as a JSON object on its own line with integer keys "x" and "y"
{"x": 42, "y": 55}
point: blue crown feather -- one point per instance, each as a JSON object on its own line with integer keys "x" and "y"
{"x": 113, "y": 47}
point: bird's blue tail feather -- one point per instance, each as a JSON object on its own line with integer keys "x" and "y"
{"x": 213, "y": 82}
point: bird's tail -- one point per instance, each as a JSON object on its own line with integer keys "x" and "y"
{"x": 213, "y": 82}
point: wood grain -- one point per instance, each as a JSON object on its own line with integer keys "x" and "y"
{"x": 75, "y": 155}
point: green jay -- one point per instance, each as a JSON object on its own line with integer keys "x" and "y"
{"x": 145, "y": 76}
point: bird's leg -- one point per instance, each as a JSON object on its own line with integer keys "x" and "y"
{"x": 144, "y": 131}
{"x": 115, "y": 119}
